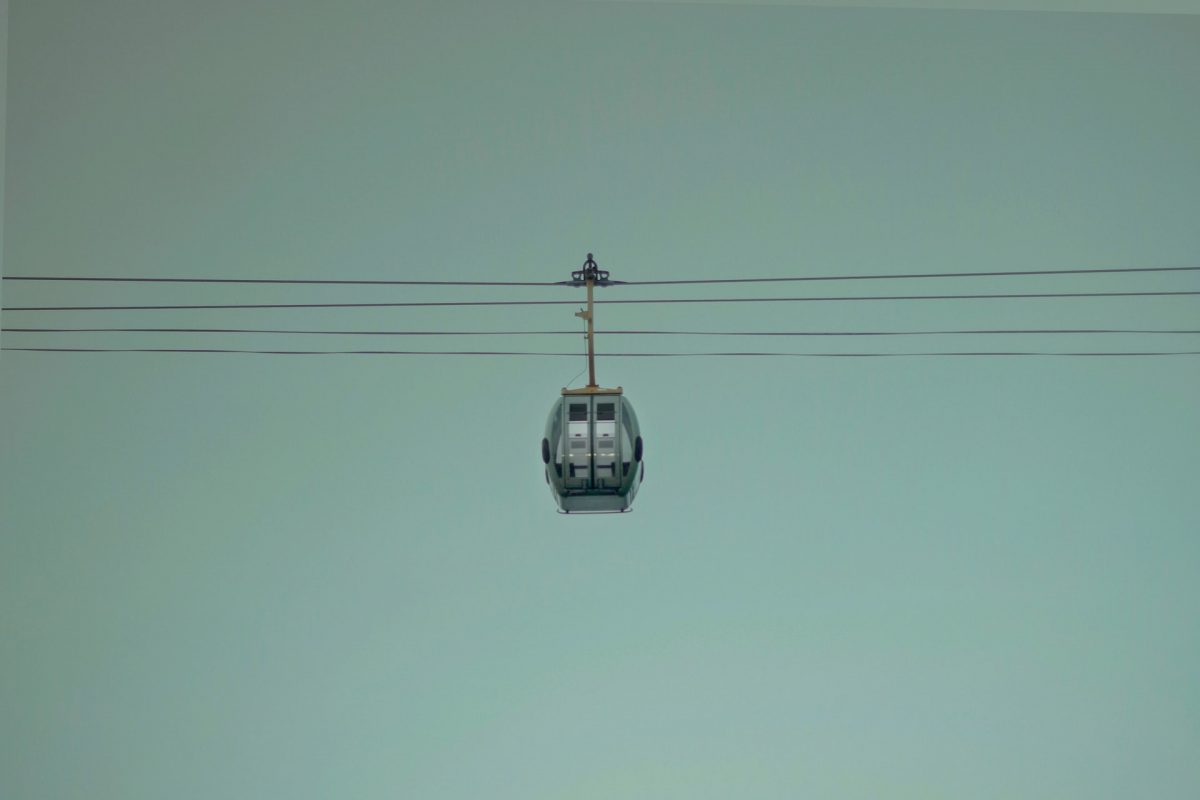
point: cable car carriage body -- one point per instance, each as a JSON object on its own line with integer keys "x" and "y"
{"x": 592, "y": 451}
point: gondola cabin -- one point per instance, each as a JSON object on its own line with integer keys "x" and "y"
{"x": 592, "y": 451}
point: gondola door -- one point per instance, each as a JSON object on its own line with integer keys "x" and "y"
{"x": 606, "y": 458}
{"x": 577, "y": 443}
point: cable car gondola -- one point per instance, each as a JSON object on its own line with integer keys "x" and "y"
{"x": 592, "y": 447}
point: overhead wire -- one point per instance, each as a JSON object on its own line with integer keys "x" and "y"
{"x": 647, "y": 301}
{"x": 911, "y": 275}
{"x": 630, "y": 332}
{"x": 753, "y": 354}
{"x": 784, "y": 279}
{"x": 272, "y": 281}
{"x": 298, "y": 331}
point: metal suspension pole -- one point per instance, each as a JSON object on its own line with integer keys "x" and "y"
{"x": 591, "y": 335}
{"x": 590, "y": 276}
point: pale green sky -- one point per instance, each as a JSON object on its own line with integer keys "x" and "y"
{"x": 252, "y": 576}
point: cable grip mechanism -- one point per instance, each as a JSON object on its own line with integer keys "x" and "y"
{"x": 590, "y": 272}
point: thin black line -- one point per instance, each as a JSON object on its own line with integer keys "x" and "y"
{"x": 609, "y": 333}
{"x": 911, "y": 275}
{"x": 658, "y": 301}
{"x": 293, "y": 331}
{"x": 274, "y": 281}
{"x": 964, "y": 332}
{"x": 382, "y": 282}
{"x": 571, "y": 355}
